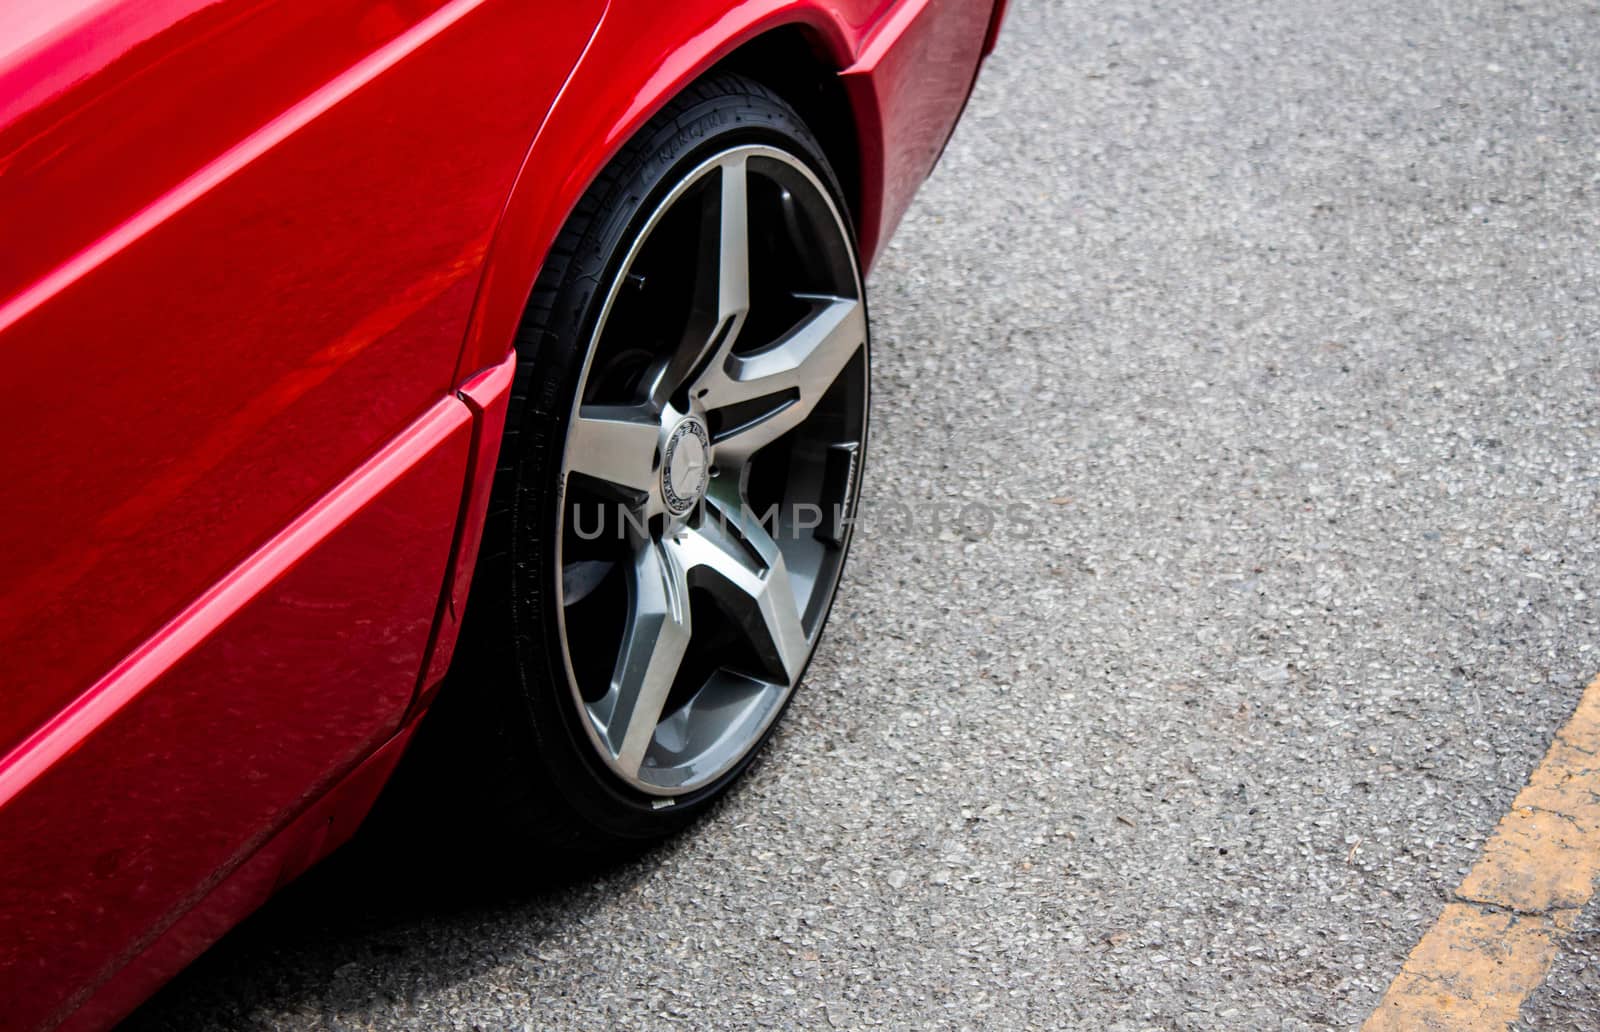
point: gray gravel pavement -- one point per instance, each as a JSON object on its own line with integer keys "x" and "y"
{"x": 1283, "y": 321}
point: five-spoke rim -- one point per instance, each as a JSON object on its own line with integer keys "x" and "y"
{"x": 710, "y": 469}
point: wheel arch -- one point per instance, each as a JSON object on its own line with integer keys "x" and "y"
{"x": 793, "y": 63}
{"x": 798, "y": 51}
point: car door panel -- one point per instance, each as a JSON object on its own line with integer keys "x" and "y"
{"x": 230, "y": 720}
{"x": 236, "y": 300}
{"x": 187, "y": 395}
{"x": 106, "y": 112}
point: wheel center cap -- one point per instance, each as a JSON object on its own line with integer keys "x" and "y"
{"x": 686, "y": 466}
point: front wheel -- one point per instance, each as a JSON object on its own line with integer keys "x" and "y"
{"x": 679, "y": 475}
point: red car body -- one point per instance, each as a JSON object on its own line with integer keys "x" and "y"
{"x": 261, "y": 264}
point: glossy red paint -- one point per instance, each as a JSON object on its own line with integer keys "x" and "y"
{"x": 230, "y": 720}
{"x": 487, "y": 395}
{"x": 263, "y": 266}
{"x": 908, "y": 84}
{"x": 223, "y": 357}
{"x": 324, "y": 826}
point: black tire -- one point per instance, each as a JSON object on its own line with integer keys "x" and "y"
{"x": 506, "y": 713}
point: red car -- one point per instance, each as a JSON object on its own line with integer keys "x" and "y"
{"x": 321, "y": 316}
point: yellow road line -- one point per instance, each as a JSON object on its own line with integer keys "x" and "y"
{"x": 1495, "y": 944}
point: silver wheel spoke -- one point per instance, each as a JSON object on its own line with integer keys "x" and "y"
{"x": 733, "y": 254}
{"x": 762, "y": 595}
{"x": 722, "y": 288}
{"x": 652, "y": 650}
{"x": 803, "y": 364}
{"x": 615, "y": 443}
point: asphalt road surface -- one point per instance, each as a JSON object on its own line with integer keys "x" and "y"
{"x": 1278, "y": 327}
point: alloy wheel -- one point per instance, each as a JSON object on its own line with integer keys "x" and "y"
{"x": 710, "y": 469}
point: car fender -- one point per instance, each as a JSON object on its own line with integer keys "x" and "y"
{"x": 640, "y": 56}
